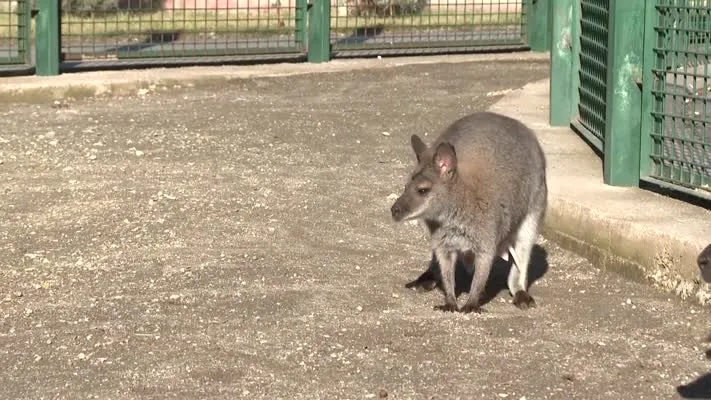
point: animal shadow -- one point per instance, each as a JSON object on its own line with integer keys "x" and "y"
{"x": 431, "y": 279}
{"x": 698, "y": 389}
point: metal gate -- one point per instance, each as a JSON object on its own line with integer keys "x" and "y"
{"x": 15, "y": 35}
{"x": 425, "y": 26}
{"x": 99, "y": 33}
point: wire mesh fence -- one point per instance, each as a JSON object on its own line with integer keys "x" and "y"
{"x": 136, "y": 29}
{"x": 402, "y": 24}
{"x": 681, "y": 122}
{"x": 15, "y": 33}
{"x": 592, "y": 87}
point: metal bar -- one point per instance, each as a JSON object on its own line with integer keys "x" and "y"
{"x": 538, "y": 25}
{"x": 319, "y": 31}
{"x": 622, "y": 127}
{"x": 301, "y": 23}
{"x": 48, "y": 33}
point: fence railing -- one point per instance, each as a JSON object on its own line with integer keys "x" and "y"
{"x": 76, "y": 34}
{"x": 632, "y": 77}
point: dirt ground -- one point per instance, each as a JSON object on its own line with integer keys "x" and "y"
{"x": 236, "y": 242}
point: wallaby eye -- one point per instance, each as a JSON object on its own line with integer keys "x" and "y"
{"x": 423, "y": 191}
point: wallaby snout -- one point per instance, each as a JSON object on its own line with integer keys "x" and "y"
{"x": 398, "y": 210}
{"x": 704, "y": 263}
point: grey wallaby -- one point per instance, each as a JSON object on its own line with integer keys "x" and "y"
{"x": 704, "y": 263}
{"x": 481, "y": 191}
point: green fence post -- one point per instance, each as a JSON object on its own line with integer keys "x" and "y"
{"x": 537, "y": 25}
{"x": 319, "y": 31}
{"x": 648, "y": 64}
{"x": 48, "y": 34}
{"x": 561, "y": 62}
{"x": 301, "y": 17}
{"x": 624, "y": 97}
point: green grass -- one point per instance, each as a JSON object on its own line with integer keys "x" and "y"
{"x": 265, "y": 22}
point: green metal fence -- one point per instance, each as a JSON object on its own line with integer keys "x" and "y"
{"x": 676, "y": 146}
{"x": 15, "y": 34}
{"x": 401, "y": 26}
{"x": 96, "y": 34}
{"x": 633, "y": 78}
{"x": 101, "y": 31}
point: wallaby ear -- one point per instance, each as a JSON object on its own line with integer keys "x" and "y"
{"x": 445, "y": 159}
{"x": 418, "y": 146}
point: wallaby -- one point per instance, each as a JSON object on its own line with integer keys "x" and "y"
{"x": 704, "y": 263}
{"x": 481, "y": 190}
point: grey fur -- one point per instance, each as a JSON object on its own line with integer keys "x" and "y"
{"x": 480, "y": 187}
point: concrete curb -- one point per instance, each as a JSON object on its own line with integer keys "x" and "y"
{"x": 638, "y": 233}
{"x": 102, "y": 83}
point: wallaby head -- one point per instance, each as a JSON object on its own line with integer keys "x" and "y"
{"x": 427, "y": 191}
{"x": 704, "y": 263}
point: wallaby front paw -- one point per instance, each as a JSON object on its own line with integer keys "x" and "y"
{"x": 471, "y": 308}
{"x": 447, "y": 308}
{"x": 523, "y": 300}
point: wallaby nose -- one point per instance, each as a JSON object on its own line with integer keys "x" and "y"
{"x": 396, "y": 211}
{"x": 705, "y": 267}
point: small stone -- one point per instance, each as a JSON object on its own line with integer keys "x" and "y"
{"x": 139, "y": 153}
{"x": 37, "y": 358}
{"x": 81, "y": 356}
{"x": 383, "y": 393}
{"x": 386, "y": 133}
{"x": 359, "y": 308}
{"x": 392, "y": 196}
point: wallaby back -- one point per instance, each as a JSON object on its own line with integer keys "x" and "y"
{"x": 480, "y": 187}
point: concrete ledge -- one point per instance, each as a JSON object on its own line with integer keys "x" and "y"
{"x": 638, "y": 233}
{"x": 34, "y": 89}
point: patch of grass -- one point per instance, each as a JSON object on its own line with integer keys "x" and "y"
{"x": 264, "y": 22}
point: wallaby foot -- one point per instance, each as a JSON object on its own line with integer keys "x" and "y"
{"x": 424, "y": 283}
{"x": 523, "y": 300}
{"x": 472, "y": 308}
{"x": 447, "y": 308}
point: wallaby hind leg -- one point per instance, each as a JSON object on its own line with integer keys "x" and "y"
{"x": 484, "y": 261}
{"x": 521, "y": 254}
{"x": 447, "y": 262}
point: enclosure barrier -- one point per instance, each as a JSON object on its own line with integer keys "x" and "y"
{"x": 632, "y": 78}
{"x": 15, "y": 25}
{"x": 79, "y": 34}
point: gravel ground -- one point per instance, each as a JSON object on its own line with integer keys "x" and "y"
{"x": 236, "y": 242}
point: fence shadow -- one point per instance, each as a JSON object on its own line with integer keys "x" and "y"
{"x": 361, "y": 35}
{"x": 152, "y": 40}
{"x": 430, "y": 279}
